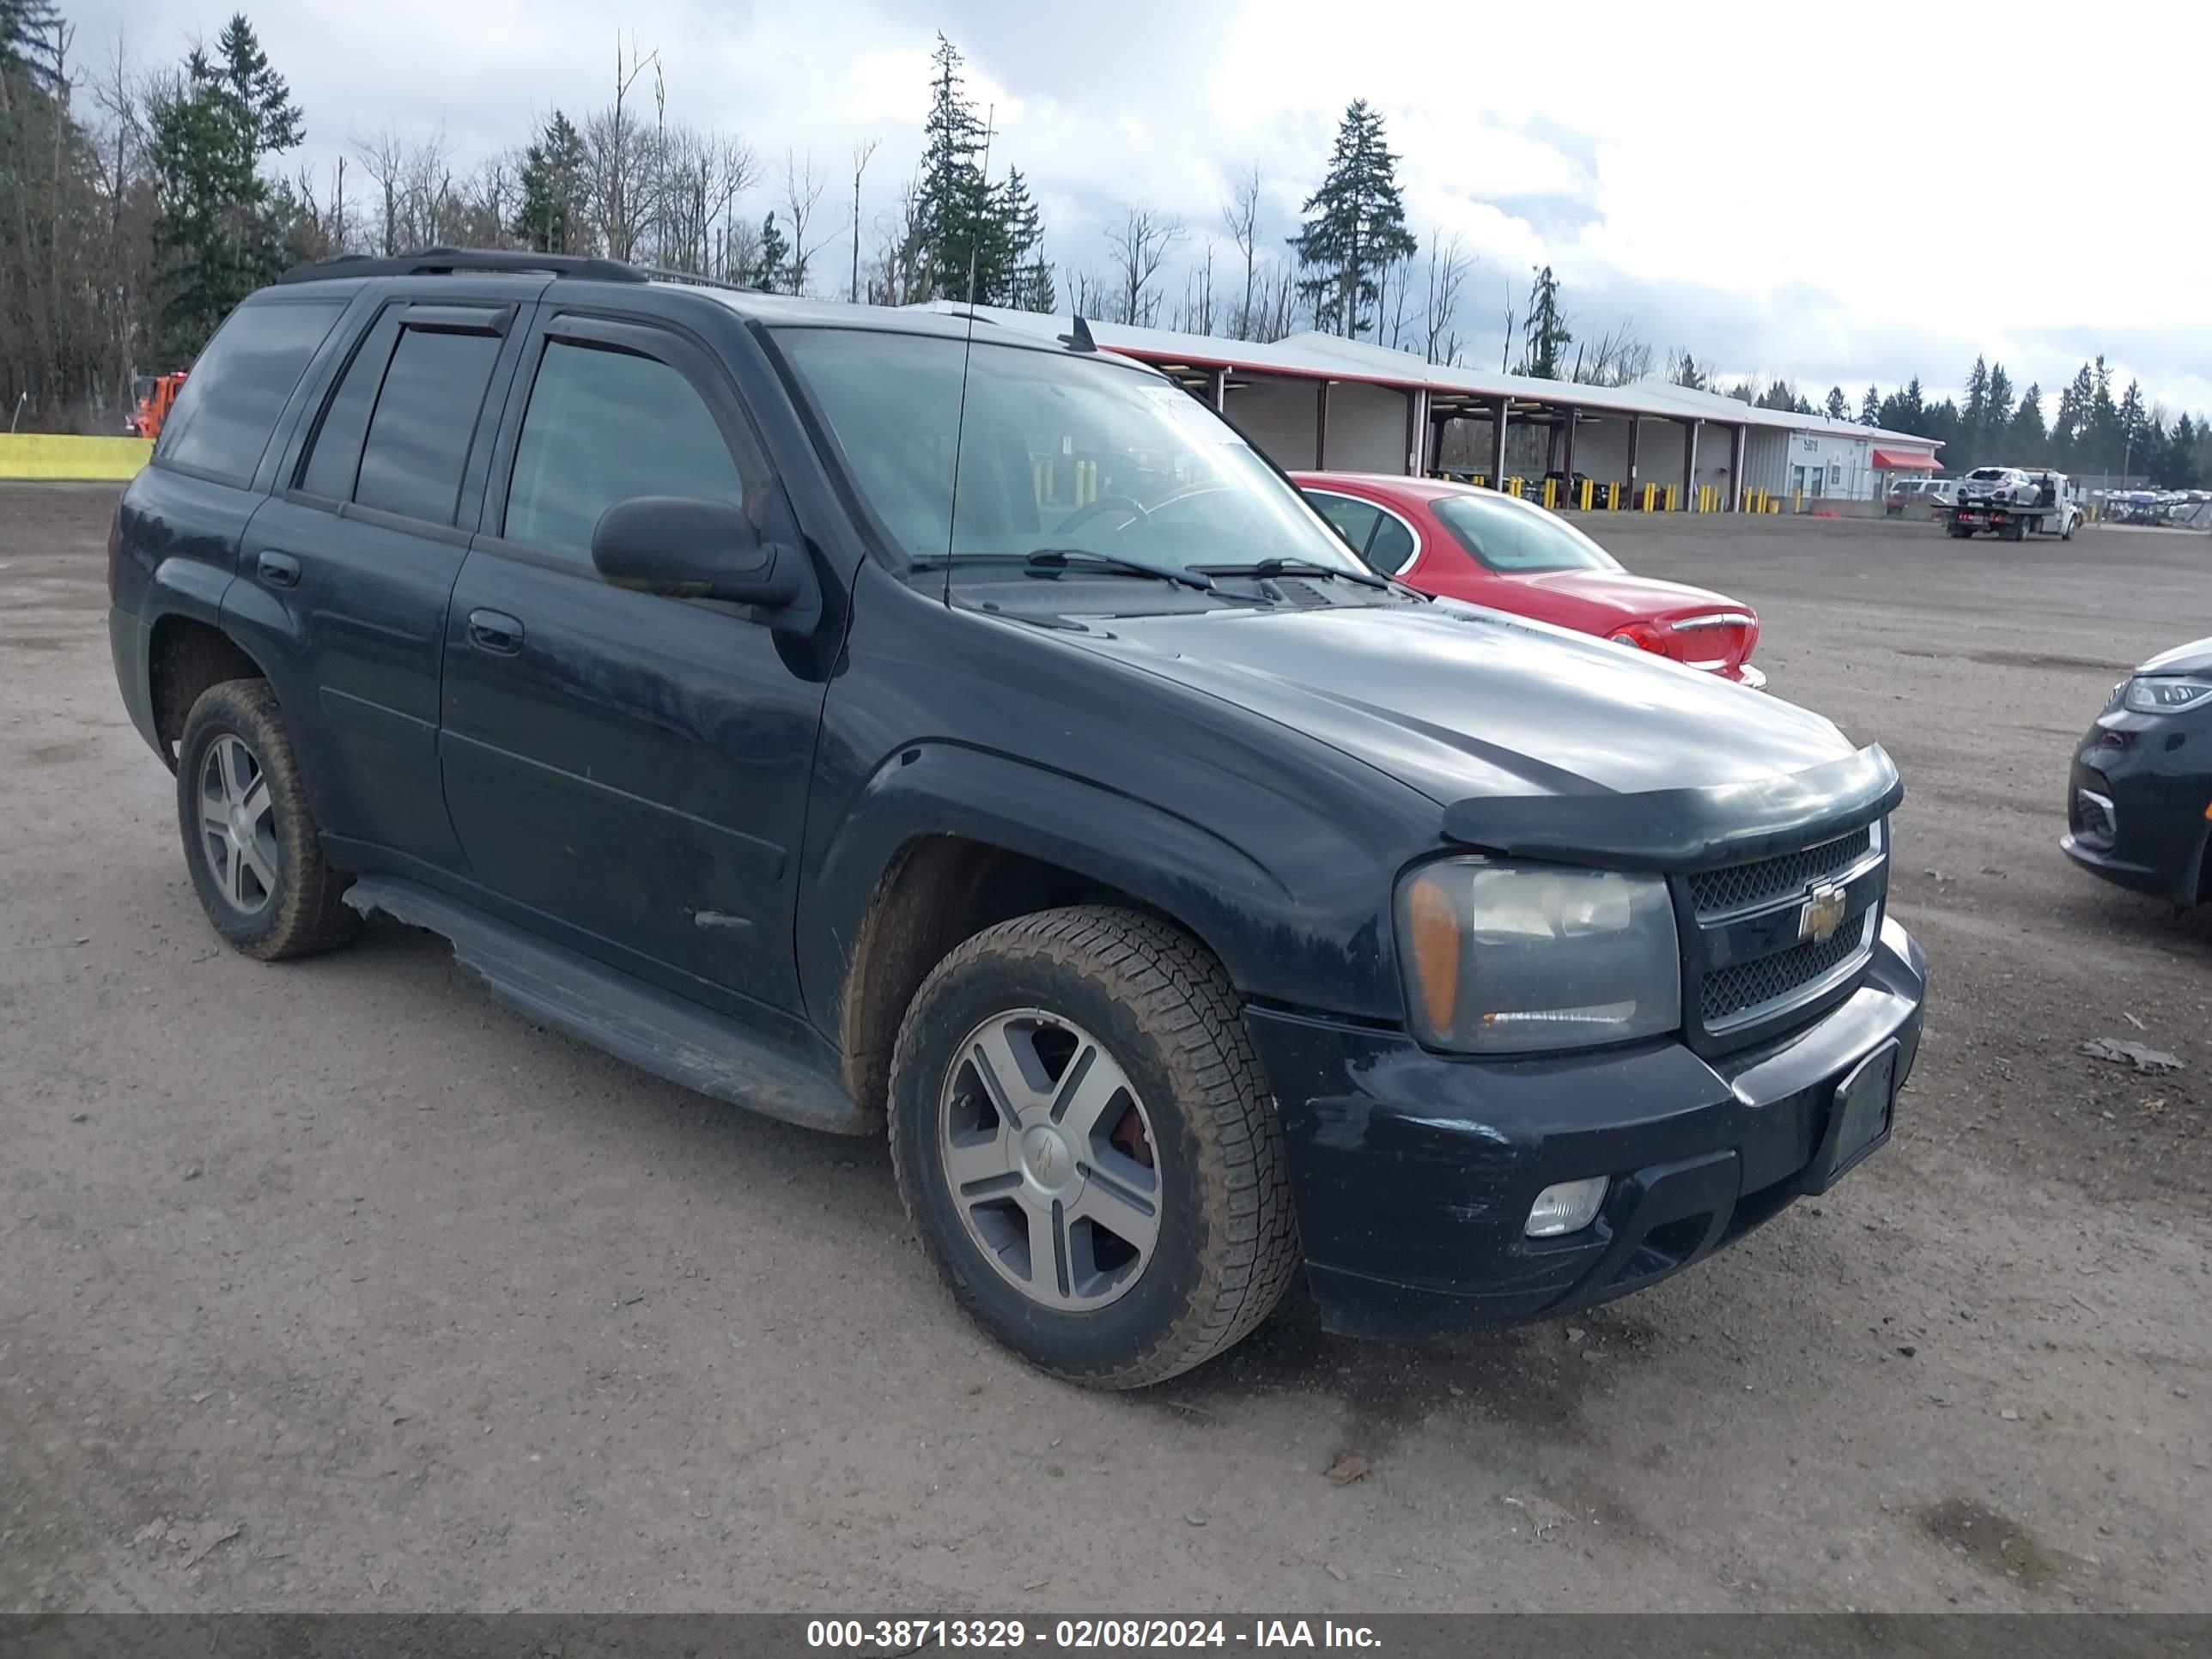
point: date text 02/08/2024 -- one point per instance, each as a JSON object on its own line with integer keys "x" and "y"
{"x": 907, "y": 1635}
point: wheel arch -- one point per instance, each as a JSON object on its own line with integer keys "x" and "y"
{"x": 186, "y": 655}
{"x": 953, "y": 841}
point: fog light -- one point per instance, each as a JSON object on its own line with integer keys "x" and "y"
{"x": 1566, "y": 1208}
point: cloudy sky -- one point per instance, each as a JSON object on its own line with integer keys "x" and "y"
{"x": 1780, "y": 189}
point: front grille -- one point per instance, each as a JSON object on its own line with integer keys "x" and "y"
{"x": 1731, "y": 990}
{"x": 1746, "y": 972}
{"x": 1740, "y": 887}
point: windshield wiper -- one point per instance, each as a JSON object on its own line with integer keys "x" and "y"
{"x": 1068, "y": 558}
{"x": 1297, "y": 567}
{"x": 1076, "y": 558}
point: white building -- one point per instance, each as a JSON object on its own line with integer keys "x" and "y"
{"x": 1321, "y": 401}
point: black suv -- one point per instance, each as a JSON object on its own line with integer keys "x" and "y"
{"x": 894, "y": 719}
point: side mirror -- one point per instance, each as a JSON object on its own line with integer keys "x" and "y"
{"x": 692, "y": 549}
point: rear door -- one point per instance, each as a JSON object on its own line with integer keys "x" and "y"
{"x": 627, "y": 772}
{"x": 357, "y": 554}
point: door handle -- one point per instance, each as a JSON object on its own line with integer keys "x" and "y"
{"x": 494, "y": 631}
{"x": 279, "y": 570}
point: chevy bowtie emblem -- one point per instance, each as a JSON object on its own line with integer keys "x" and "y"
{"x": 1822, "y": 914}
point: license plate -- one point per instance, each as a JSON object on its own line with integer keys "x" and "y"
{"x": 1971, "y": 517}
{"x": 1859, "y": 1118}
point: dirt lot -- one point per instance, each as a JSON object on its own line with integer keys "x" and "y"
{"x": 437, "y": 1310}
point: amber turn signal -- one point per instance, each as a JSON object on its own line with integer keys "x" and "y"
{"x": 1435, "y": 927}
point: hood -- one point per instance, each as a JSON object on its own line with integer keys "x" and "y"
{"x": 1623, "y": 596}
{"x": 1456, "y": 700}
{"x": 2195, "y": 658}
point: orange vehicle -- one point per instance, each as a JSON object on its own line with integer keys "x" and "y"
{"x": 155, "y": 395}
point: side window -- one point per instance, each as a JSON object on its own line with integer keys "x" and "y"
{"x": 603, "y": 425}
{"x": 237, "y": 389}
{"x": 418, "y": 439}
{"x": 1391, "y": 546}
{"x": 335, "y": 456}
{"x": 1354, "y": 520}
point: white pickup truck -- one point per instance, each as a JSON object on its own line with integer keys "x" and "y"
{"x": 2014, "y": 502}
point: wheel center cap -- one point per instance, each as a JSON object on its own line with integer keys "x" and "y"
{"x": 1046, "y": 1159}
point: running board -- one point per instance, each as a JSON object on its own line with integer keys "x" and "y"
{"x": 652, "y": 1029}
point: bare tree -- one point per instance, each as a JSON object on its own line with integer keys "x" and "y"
{"x": 1087, "y": 296}
{"x": 1241, "y": 215}
{"x": 1141, "y": 243}
{"x": 1618, "y": 357}
{"x": 1448, "y": 267}
{"x": 899, "y": 272}
{"x": 1196, "y": 314}
{"x": 620, "y": 162}
{"x": 802, "y": 191}
{"x": 861, "y": 152}
{"x": 383, "y": 157}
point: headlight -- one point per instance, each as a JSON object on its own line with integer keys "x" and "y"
{"x": 2165, "y": 697}
{"x": 1501, "y": 958}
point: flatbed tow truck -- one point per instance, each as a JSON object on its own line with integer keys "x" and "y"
{"x": 2013, "y": 503}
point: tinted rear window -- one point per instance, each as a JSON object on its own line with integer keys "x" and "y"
{"x": 236, "y": 389}
{"x": 418, "y": 439}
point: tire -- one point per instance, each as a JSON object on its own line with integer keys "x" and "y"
{"x": 2066, "y": 534}
{"x": 281, "y": 899}
{"x": 1161, "y": 1015}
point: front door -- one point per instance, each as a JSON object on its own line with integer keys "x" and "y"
{"x": 625, "y": 771}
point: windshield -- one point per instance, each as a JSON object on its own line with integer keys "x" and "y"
{"x": 1080, "y": 454}
{"x": 1505, "y": 537}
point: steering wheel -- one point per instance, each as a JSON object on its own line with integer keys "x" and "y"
{"x": 1083, "y": 515}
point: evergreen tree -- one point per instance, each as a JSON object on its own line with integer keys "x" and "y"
{"x": 1355, "y": 225}
{"x": 1025, "y": 280}
{"x": 2135, "y": 451}
{"x": 1975, "y": 415}
{"x": 1544, "y": 334}
{"x": 549, "y": 218}
{"x": 1839, "y": 408}
{"x": 772, "y": 266}
{"x": 1996, "y": 415}
{"x": 26, "y": 44}
{"x": 1870, "y": 409}
{"x": 2176, "y": 468}
{"x": 215, "y": 237}
{"x": 954, "y": 206}
{"x": 2026, "y": 440}
{"x": 1684, "y": 371}
{"x": 2105, "y": 447}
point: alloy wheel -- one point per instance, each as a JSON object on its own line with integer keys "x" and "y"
{"x": 238, "y": 825}
{"x": 1050, "y": 1159}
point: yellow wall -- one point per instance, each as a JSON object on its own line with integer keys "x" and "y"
{"x": 41, "y": 455}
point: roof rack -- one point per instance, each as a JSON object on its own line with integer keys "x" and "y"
{"x": 664, "y": 274}
{"x": 442, "y": 261}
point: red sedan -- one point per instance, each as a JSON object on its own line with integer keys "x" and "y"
{"x": 1488, "y": 548}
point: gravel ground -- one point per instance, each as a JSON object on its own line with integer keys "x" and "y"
{"x": 336, "y": 1285}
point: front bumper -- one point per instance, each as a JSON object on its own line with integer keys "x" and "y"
{"x": 1413, "y": 1172}
{"x": 2137, "y": 801}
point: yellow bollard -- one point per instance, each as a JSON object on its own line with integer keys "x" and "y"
{"x": 1588, "y": 485}
{"x": 1086, "y": 482}
{"x": 1513, "y": 487}
{"x": 1612, "y": 496}
{"x": 1476, "y": 479}
{"x": 1798, "y": 501}
{"x": 1670, "y": 498}
{"x": 1551, "y": 494}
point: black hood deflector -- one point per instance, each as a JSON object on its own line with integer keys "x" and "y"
{"x": 1673, "y": 829}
